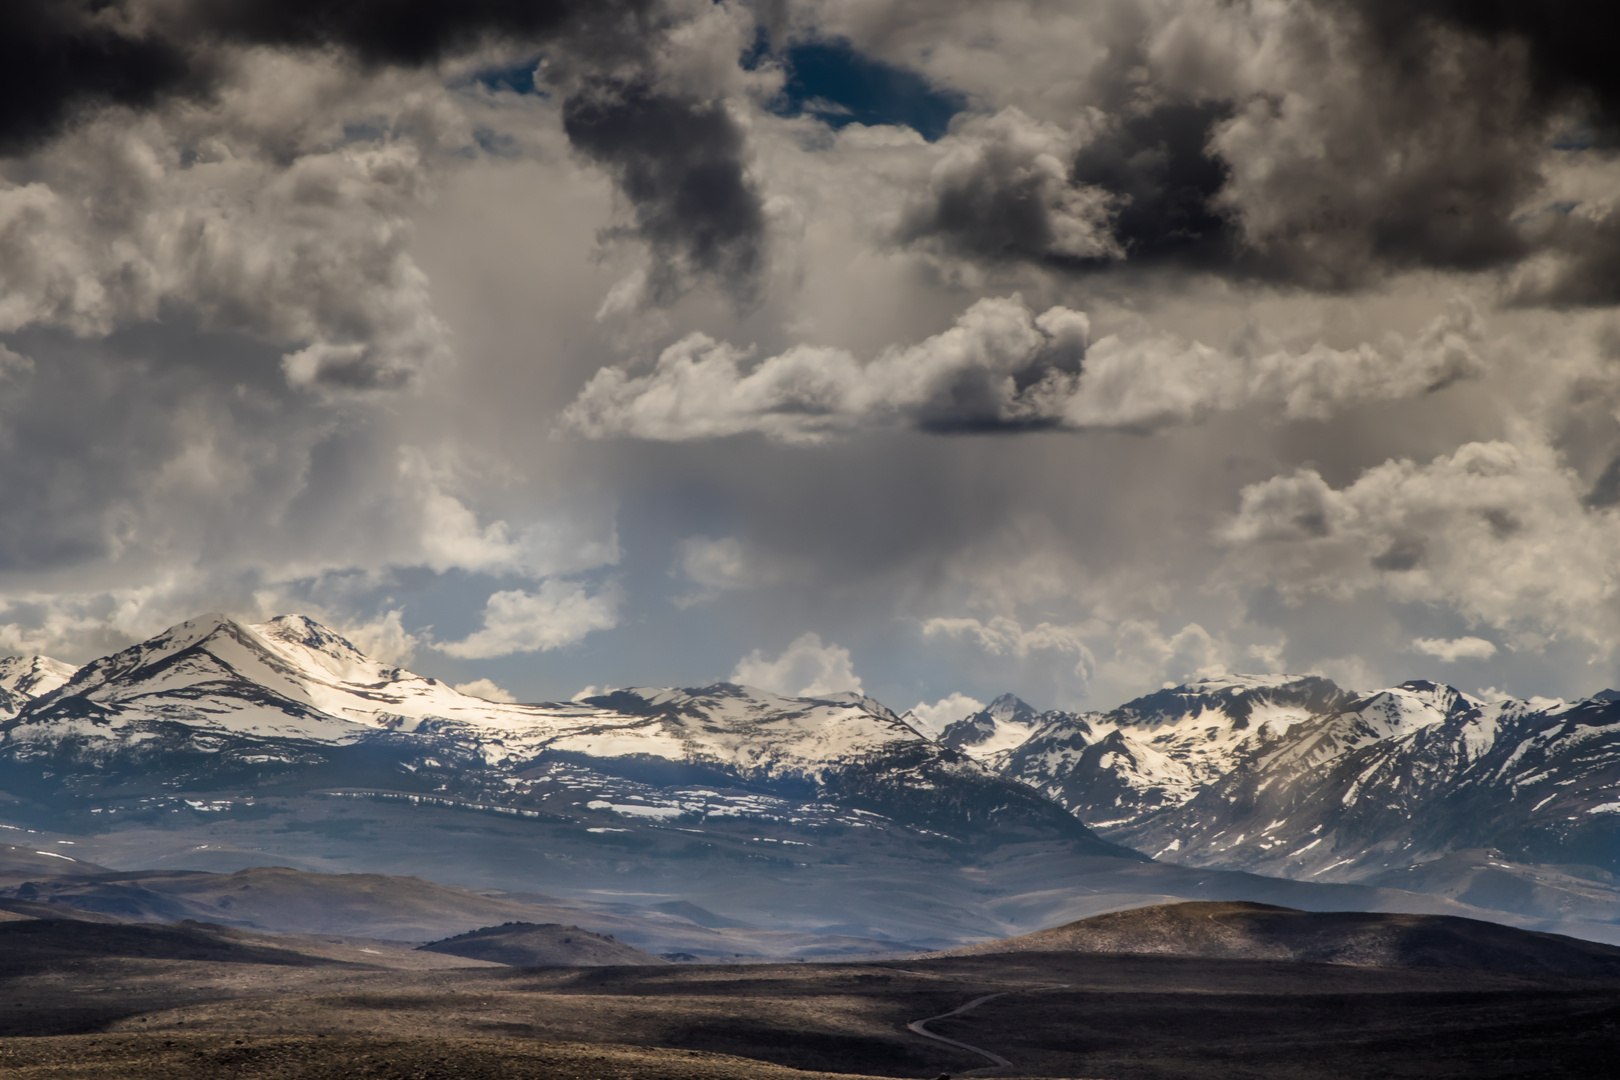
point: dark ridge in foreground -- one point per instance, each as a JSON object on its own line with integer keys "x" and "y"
{"x": 343, "y": 1058}
{"x": 40, "y": 945}
{"x": 1230, "y": 930}
{"x": 521, "y": 944}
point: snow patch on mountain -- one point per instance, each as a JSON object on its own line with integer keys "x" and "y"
{"x": 1292, "y": 776}
{"x": 33, "y": 676}
{"x": 748, "y": 728}
{"x": 1005, "y": 723}
{"x": 291, "y": 678}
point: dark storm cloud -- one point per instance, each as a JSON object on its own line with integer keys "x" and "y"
{"x": 1570, "y": 42}
{"x": 680, "y": 162}
{"x": 1569, "y": 51}
{"x": 55, "y": 57}
{"x": 409, "y": 32}
{"x": 1431, "y": 154}
{"x": 1586, "y": 272}
{"x": 1161, "y": 168}
{"x": 1150, "y": 178}
{"x": 1364, "y": 138}
{"x": 1003, "y": 194}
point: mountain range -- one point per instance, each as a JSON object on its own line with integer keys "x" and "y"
{"x": 217, "y": 745}
{"x": 1297, "y": 778}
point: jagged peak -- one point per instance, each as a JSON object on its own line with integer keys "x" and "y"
{"x": 175, "y": 639}
{"x": 1249, "y": 682}
{"x": 35, "y": 675}
{"x": 1236, "y": 696}
{"x": 639, "y": 700}
{"x": 1440, "y": 697}
{"x": 303, "y": 630}
{"x": 1011, "y": 708}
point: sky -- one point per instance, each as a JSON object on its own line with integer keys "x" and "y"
{"x": 927, "y": 349}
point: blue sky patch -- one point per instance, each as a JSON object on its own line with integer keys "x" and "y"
{"x": 833, "y": 81}
{"x": 515, "y": 78}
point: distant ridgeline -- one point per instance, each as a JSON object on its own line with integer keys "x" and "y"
{"x": 1296, "y": 777}
{"x": 283, "y": 742}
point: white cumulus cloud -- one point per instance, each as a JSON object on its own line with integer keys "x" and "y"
{"x": 718, "y": 565}
{"x": 1450, "y": 650}
{"x": 932, "y": 719}
{"x": 1500, "y": 532}
{"x": 555, "y": 615}
{"x": 486, "y": 689}
{"x": 806, "y": 668}
{"x": 1003, "y": 367}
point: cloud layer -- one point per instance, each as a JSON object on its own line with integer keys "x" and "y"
{"x": 1062, "y": 348}
{"x": 1004, "y": 368}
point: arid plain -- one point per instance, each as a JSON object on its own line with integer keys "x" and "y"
{"x": 98, "y": 998}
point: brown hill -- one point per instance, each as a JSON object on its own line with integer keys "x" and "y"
{"x": 1244, "y": 931}
{"x": 40, "y": 944}
{"x": 542, "y": 945}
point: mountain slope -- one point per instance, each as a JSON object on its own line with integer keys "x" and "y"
{"x": 29, "y": 677}
{"x": 218, "y": 746}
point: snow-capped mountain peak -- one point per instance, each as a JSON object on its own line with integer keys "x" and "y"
{"x": 748, "y": 727}
{"x": 1291, "y": 775}
{"x": 216, "y": 705}
{"x": 1002, "y": 725}
{"x": 33, "y": 676}
{"x": 1414, "y": 705}
{"x": 290, "y": 677}
{"x": 313, "y": 648}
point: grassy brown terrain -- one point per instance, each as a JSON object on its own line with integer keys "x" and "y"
{"x": 1120, "y": 1017}
{"x": 118, "y": 1001}
{"x": 314, "y": 1058}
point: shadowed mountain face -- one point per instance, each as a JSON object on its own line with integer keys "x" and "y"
{"x": 1002, "y": 725}
{"x": 1245, "y": 931}
{"x": 542, "y": 945}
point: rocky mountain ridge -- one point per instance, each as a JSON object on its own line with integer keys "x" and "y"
{"x": 213, "y": 707}
{"x": 1296, "y": 777}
